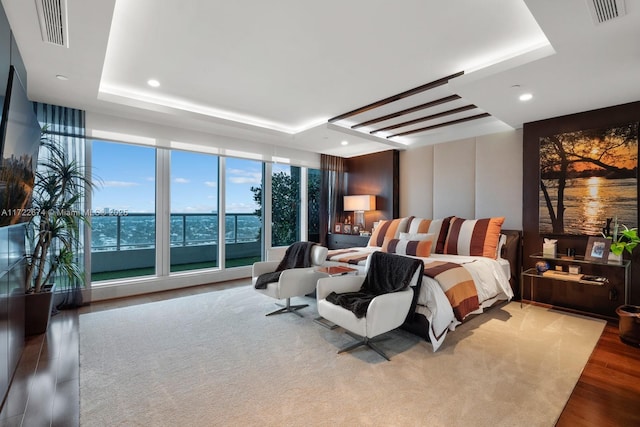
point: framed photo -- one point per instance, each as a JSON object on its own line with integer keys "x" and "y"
{"x": 355, "y": 229}
{"x": 338, "y": 228}
{"x": 597, "y": 249}
{"x": 346, "y": 228}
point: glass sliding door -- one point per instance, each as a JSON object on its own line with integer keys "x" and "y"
{"x": 194, "y": 211}
{"x": 243, "y": 212}
{"x": 123, "y": 217}
{"x": 285, "y": 205}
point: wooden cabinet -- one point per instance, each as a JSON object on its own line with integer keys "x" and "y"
{"x": 342, "y": 241}
{"x": 598, "y": 289}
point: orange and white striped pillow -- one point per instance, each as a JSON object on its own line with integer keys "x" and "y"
{"x": 420, "y": 248}
{"x": 474, "y": 237}
{"x": 437, "y": 227}
{"x": 388, "y": 228}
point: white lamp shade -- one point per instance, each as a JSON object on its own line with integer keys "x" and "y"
{"x": 359, "y": 203}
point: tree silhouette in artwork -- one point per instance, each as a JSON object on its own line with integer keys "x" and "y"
{"x": 610, "y": 153}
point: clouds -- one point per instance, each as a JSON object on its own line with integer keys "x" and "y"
{"x": 119, "y": 184}
{"x": 181, "y": 181}
{"x": 242, "y": 176}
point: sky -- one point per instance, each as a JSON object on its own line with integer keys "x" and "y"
{"x": 126, "y": 180}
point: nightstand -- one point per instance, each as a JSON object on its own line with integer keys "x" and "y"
{"x": 343, "y": 241}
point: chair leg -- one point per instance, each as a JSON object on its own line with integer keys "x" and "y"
{"x": 288, "y": 308}
{"x": 369, "y": 342}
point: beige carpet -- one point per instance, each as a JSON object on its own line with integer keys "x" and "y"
{"x": 215, "y": 360}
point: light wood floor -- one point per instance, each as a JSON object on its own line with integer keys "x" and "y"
{"x": 45, "y": 389}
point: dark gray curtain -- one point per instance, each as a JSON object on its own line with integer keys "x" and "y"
{"x": 67, "y": 125}
{"x": 332, "y": 190}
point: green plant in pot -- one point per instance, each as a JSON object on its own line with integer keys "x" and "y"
{"x": 626, "y": 240}
{"x": 621, "y": 241}
{"x": 53, "y": 231}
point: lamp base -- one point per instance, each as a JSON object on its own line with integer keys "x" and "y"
{"x": 358, "y": 219}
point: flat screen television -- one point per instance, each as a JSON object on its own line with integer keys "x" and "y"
{"x": 20, "y": 142}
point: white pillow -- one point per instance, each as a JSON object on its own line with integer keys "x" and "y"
{"x": 417, "y": 236}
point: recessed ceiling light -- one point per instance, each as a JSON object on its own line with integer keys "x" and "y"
{"x": 61, "y": 77}
{"x": 153, "y": 83}
{"x": 345, "y": 143}
{"x": 525, "y": 97}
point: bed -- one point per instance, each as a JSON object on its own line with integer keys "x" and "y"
{"x": 470, "y": 265}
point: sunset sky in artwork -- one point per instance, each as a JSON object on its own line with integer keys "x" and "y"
{"x": 623, "y": 157}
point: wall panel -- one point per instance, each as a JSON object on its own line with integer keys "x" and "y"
{"x": 474, "y": 178}
{"x": 454, "y": 179}
{"x": 416, "y": 182}
{"x": 376, "y": 174}
{"x": 499, "y": 177}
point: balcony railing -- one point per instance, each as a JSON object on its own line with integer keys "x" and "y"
{"x": 137, "y": 230}
{"x": 124, "y": 245}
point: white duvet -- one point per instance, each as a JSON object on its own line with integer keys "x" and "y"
{"x": 492, "y": 284}
{"x": 490, "y": 276}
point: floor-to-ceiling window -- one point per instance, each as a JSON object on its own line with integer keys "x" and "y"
{"x": 243, "y": 213}
{"x": 123, "y": 219}
{"x": 194, "y": 211}
{"x": 202, "y": 197}
{"x": 313, "y": 204}
{"x": 285, "y": 204}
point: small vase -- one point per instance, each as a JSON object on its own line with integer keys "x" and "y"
{"x": 615, "y": 259}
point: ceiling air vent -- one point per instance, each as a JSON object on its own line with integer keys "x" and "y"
{"x": 606, "y": 10}
{"x": 52, "y": 15}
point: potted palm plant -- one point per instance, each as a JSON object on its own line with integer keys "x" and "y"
{"x": 53, "y": 231}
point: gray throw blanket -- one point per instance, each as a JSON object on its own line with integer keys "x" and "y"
{"x": 387, "y": 273}
{"x": 298, "y": 255}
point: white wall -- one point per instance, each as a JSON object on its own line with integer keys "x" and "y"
{"x": 472, "y": 178}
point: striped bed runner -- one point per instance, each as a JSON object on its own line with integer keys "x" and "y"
{"x": 457, "y": 284}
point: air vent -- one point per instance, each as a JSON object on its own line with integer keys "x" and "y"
{"x": 606, "y": 10}
{"x": 52, "y": 15}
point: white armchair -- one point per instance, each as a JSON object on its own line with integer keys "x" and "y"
{"x": 292, "y": 282}
{"x": 384, "y": 313}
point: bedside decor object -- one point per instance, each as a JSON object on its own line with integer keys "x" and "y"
{"x": 346, "y": 228}
{"x": 337, "y": 228}
{"x": 541, "y": 266}
{"x": 549, "y": 247}
{"x": 574, "y": 269}
{"x": 597, "y": 249}
{"x": 358, "y": 205}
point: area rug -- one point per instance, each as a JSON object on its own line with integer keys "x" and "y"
{"x": 214, "y": 359}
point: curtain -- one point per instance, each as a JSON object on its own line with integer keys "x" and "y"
{"x": 332, "y": 190}
{"x": 67, "y": 126}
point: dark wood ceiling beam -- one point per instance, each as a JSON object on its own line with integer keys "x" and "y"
{"x": 439, "y": 125}
{"x": 397, "y": 97}
{"x": 407, "y": 111}
{"x": 424, "y": 119}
